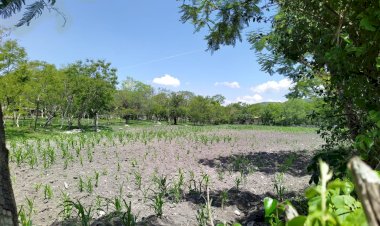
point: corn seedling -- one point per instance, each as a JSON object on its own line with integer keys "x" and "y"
{"x": 158, "y": 203}
{"x": 138, "y": 179}
{"x": 161, "y": 183}
{"x": 24, "y": 218}
{"x": 48, "y": 192}
{"x": 98, "y": 202}
{"x": 67, "y": 209}
{"x": 81, "y": 184}
{"x": 128, "y": 219}
{"x": 37, "y": 186}
{"x": 238, "y": 181}
{"x": 84, "y": 215}
{"x": 223, "y": 198}
{"x": 202, "y": 215}
{"x": 279, "y": 186}
{"x": 18, "y": 156}
{"x": 81, "y": 160}
{"x": 89, "y": 185}
{"x": 96, "y": 179}
{"x": 89, "y": 155}
{"x": 134, "y": 163}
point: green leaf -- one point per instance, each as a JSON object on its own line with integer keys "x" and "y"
{"x": 366, "y": 24}
{"x": 269, "y": 206}
{"x": 343, "y": 201}
{"x": 312, "y": 191}
{"x": 345, "y": 186}
{"x": 297, "y": 221}
{"x": 236, "y": 224}
{"x": 378, "y": 62}
{"x": 314, "y": 204}
{"x": 356, "y": 218}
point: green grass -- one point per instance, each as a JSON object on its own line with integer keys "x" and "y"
{"x": 286, "y": 129}
{"x": 25, "y": 131}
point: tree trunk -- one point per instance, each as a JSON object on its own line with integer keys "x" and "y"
{"x": 175, "y": 120}
{"x": 14, "y": 118}
{"x": 8, "y": 209}
{"x": 367, "y": 186}
{"x": 49, "y": 119}
{"x": 37, "y": 113}
{"x": 17, "y": 120}
{"x": 96, "y": 121}
{"x": 79, "y": 121}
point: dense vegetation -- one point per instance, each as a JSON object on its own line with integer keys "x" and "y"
{"x": 88, "y": 89}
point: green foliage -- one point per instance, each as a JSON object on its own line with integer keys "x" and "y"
{"x": 330, "y": 203}
{"x": 368, "y": 143}
{"x": 336, "y": 158}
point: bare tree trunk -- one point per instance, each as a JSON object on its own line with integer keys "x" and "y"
{"x": 37, "y": 114}
{"x": 96, "y": 121}
{"x": 80, "y": 115}
{"x": 49, "y": 119}
{"x": 18, "y": 119}
{"x": 8, "y": 209}
{"x": 14, "y": 118}
{"x": 367, "y": 185}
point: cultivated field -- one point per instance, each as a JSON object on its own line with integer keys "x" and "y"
{"x": 160, "y": 170}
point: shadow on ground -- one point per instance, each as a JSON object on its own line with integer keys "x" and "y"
{"x": 248, "y": 204}
{"x": 115, "y": 219}
{"x": 293, "y": 163}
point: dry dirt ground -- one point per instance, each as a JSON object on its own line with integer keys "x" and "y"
{"x": 249, "y": 158}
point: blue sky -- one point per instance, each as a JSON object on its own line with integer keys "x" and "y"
{"x": 145, "y": 39}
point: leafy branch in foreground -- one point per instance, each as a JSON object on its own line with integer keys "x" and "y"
{"x": 330, "y": 203}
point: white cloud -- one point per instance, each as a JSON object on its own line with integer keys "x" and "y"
{"x": 167, "y": 80}
{"x": 233, "y": 85}
{"x": 281, "y": 85}
{"x": 250, "y": 99}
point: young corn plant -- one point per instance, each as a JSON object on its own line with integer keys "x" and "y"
{"x": 128, "y": 219}
{"x": 89, "y": 185}
{"x": 202, "y": 215}
{"x": 138, "y": 179}
{"x": 24, "y": 218}
{"x": 279, "y": 186}
{"x": 96, "y": 179}
{"x": 48, "y": 192}
{"x": 84, "y": 214}
{"x": 223, "y": 198}
{"x": 90, "y": 155}
{"x": 18, "y": 156}
{"x": 67, "y": 208}
{"x": 238, "y": 181}
{"x": 158, "y": 203}
{"x": 81, "y": 184}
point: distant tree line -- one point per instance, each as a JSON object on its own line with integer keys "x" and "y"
{"x": 88, "y": 89}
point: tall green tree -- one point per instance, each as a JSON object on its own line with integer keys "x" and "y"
{"x": 93, "y": 83}
{"x": 178, "y": 103}
{"x": 134, "y": 99}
